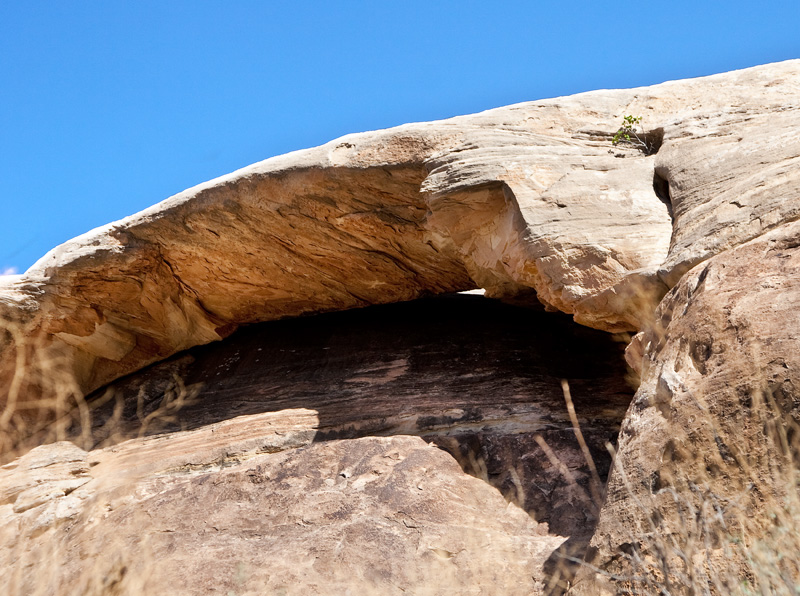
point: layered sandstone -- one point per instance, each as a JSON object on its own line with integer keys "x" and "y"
{"x": 531, "y": 203}
{"x": 382, "y": 450}
{"x": 707, "y": 464}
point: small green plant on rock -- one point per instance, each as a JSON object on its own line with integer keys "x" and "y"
{"x": 631, "y": 133}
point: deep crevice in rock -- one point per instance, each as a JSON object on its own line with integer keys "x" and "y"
{"x": 648, "y": 142}
{"x": 653, "y": 139}
{"x": 661, "y": 188}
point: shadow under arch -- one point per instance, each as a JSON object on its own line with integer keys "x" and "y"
{"x": 478, "y": 378}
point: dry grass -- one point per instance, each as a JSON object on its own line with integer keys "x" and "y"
{"x": 40, "y": 397}
{"x": 724, "y": 520}
{"x": 690, "y": 537}
{"x": 726, "y": 515}
{"x": 42, "y": 404}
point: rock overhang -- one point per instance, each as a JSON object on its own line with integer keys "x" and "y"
{"x": 530, "y": 202}
{"x": 526, "y": 200}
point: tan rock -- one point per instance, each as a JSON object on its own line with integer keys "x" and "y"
{"x": 293, "y": 432}
{"x": 40, "y": 491}
{"x": 731, "y": 179}
{"x": 297, "y": 522}
{"x": 706, "y": 468}
{"x": 528, "y": 197}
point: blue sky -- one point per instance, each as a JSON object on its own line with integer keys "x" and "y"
{"x": 107, "y": 107}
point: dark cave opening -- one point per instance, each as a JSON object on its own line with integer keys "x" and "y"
{"x": 653, "y": 139}
{"x": 478, "y": 378}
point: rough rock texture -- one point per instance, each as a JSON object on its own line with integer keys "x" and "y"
{"x": 733, "y": 178}
{"x": 307, "y": 521}
{"x": 530, "y": 202}
{"x": 309, "y": 459}
{"x": 373, "y": 515}
{"x": 528, "y": 197}
{"x": 727, "y": 343}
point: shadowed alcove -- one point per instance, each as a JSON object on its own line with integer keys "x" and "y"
{"x": 478, "y": 378}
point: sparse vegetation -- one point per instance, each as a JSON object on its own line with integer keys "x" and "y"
{"x": 721, "y": 523}
{"x": 691, "y": 540}
{"x": 632, "y": 134}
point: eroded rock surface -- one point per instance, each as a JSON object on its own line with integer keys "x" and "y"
{"x": 519, "y": 200}
{"x": 380, "y": 515}
{"x": 380, "y": 450}
{"x": 530, "y": 202}
{"x": 707, "y": 454}
{"x": 509, "y": 200}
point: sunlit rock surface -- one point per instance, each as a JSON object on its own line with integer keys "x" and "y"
{"x": 708, "y": 452}
{"x": 531, "y": 203}
{"x": 379, "y": 450}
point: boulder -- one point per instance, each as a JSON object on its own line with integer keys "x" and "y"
{"x": 705, "y": 481}
{"x": 372, "y": 515}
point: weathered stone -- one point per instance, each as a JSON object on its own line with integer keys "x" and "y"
{"x": 514, "y": 199}
{"x": 374, "y": 515}
{"x": 731, "y": 179}
{"x": 482, "y": 391}
{"x": 528, "y": 197}
{"x": 706, "y": 455}
{"x": 529, "y": 202}
{"x": 38, "y": 492}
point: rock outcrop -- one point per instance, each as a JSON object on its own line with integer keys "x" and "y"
{"x": 531, "y": 203}
{"x": 386, "y": 449}
{"x": 707, "y": 464}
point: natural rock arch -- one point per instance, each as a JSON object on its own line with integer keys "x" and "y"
{"x": 528, "y": 202}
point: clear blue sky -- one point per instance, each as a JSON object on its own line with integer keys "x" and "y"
{"x": 107, "y": 107}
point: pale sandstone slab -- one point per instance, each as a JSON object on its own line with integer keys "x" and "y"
{"x": 303, "y": 521}
{"x": 731, "y": 179}
{"x": 524, "y": 197}
{"x": 519, "y": 199}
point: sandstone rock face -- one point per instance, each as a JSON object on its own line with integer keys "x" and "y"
{"x": 709, "y": 435}
{"x": 376, "y": 515}
{"x": 739, "y": 181}
{"x": 381, "y": 450}
{"x": 531, "y": 203}
{"x": 516, "y": 200}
